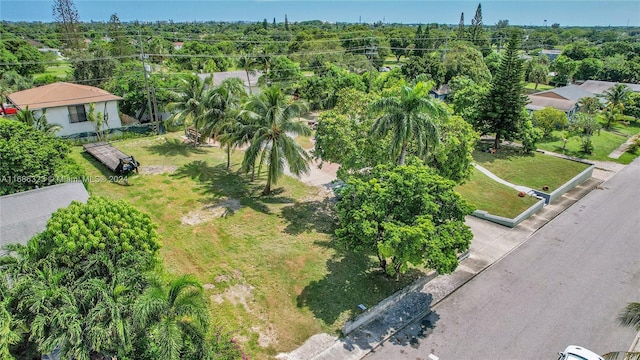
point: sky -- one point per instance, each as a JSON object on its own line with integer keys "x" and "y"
{"x": 518, "y": 12}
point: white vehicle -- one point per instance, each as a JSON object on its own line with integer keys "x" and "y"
{"x": 573, "y": 352}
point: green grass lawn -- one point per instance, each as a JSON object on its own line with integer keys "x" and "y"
{"x": 541, "y": 87}
{"x": 535, "y": 170}
{"x": 493, "y": 197}
{"x": 271, "y": 267}
{"x": 60, "y": 70}
{"x": 603, "y": 144}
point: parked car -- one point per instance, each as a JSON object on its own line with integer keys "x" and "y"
{"x": 573, "y": 352}
{"x": 8, "y": 110}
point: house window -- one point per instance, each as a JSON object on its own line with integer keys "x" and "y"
{"x": 77, "y": 114}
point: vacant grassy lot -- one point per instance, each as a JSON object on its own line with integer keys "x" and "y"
{"x": 541, "y": 87}
{"x": 273, "y": 272}
{"x": 535, "y": 170}
{"x": 493, "y": 197}
{"x": 603, "y": 144}
{"x": 60, "y": 71}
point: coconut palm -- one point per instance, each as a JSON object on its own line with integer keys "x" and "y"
{"x": 411, "y": 115}
{"x": 221, "y": 119}
{"x": 189, "y": 103}
{"x": 618, "y": 94}
{"x": 174, "y": 315}
{"x": 589, "y": 105}
{"x": 538, "y": 75}
{"x": 272, "y": 119}
{"x": 248, "y": 63}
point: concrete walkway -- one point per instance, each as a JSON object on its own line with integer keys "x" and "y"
{"x": 502, "y": 181}
{"x": 615, "y": 154}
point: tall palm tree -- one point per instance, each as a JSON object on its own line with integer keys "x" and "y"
{"x": 189, "y": 103}
{"x": 248, "y": 63}
{"x": 222, "y": 119}
{"x": 272, "y": 116}
{"x": 411, "y": 115}
{"x": 618, "y": 94}
{"x": 174, "y": 314}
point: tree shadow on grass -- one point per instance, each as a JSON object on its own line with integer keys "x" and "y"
{"x": 352, "y": 279}
{"x": 174, "y": 147}
{"x": 217, "y": 182}
{"x": 310, "y": 215}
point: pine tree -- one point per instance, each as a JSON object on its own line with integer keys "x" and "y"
{"x": 265, "y": 24}
{"x": 66, "y": 15}
{"x": 274, "y": 23}
{"x": 501, "y": 111}
{"x": 476, "y": 26}
{"x": 461, "y": 34}
{"x": 286, "y": 23}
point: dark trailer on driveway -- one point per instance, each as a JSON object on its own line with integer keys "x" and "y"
{"x": 114, "y": 159}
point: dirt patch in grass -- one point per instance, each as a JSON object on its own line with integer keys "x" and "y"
{"x": 223, "y": 208}
{"x": 236, "y": 294}
{"x": 157, "y": 169}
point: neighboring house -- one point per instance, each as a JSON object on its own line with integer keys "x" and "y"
{"x": 178, "y": 45}
{"x": 68, "y": 104}
{"x": 440, "y": 93}
{"x": 563, "y": 98}
{"x": 551, "y": 54}
{"x": 598, "y": 87}
{"x": 219, "y": 77}
{"x": 25, "y": 214}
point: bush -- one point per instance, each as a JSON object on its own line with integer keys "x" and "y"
{"x": 634, "y": 147}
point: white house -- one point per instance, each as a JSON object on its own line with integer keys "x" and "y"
{"x": 68, "y": 104}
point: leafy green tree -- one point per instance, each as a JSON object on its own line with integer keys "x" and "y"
{"x": 272, "y": 117}
{"x": 9, "y": 326}
{"x": 429, "y": 64}
{"x": 549, "y": 119}
{"x": 589, "y": 69}
{"x": 585, "y": 126}
{"x": 410, "y": 115}
{"x": 30, "y": 158}
{"x": 405, "y": 215}
{"x": 452, "y": 157}
{"x": 95, "y": 67}
{"x": 464, "y": 60}
{"x": 119, "y": 45}
{"x": 27, "y": 59}
{"x": 176, "y": 317}
{"x": 565, "y": 68}
{"x": 530, "y": 136}
{"x": 284, "y": 71}
{"x": 616, "y": 68}
{"x": 321, "y": 90}
{"x": 501, "y": 110}
{"x": 492, "y": 61}
{"x": 467, "y": 97}
{"x": 580, "y": 50}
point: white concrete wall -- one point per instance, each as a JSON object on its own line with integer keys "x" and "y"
{"x": 60, "y": 115}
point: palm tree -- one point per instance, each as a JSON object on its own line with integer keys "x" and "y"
{"x": 618, "y": 94}
{"x": 629, "y": 317}
{"x": 412, "y": 114}
{"x": 40, "y": 123}
{"x": 248, "y": 64}
{"x": 189, "y": 103}
{"x": 589, "y": 105}
{"x": 538, "y": 75}
{"x": 222, "y": 115}
{"x": 174, "y": 314}
{"x": 272, "y": 117}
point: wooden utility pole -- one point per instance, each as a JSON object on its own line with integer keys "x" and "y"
{"x": 146, "y": 79}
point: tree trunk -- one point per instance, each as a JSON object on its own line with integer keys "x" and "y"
{"x": 267, "y": 188}
{"x": 536, "y": 87}
{"x": 228, "y": 157}
{"x": 403, "y": 154}
{"x": 383, "y": 263}
{"x": 253, "y": 172}
{"x": 496, "y": 143}
{"x": 248, "y": 81}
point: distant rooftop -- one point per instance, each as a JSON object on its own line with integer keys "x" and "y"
{"x": 570, "y": 92}
{"x": 598, "y": 87}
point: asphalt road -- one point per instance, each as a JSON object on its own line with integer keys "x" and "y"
{"x": 564, "y": 286}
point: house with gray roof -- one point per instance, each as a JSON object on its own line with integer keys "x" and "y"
{"x": 598, "y": 87}
{"x": 564, "y": 98}
{"x": 25, "y": 214}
